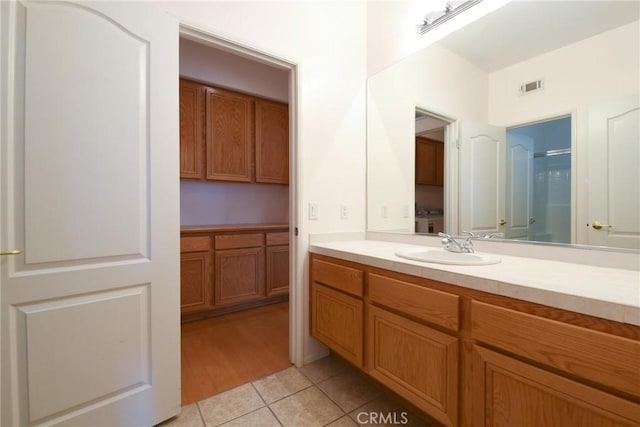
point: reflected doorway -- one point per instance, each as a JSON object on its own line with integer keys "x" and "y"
{"x": 430, "y": 137}
{"x": 539, "y": 181}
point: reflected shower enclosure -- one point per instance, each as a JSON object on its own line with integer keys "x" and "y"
{"x": 550, "y": 215}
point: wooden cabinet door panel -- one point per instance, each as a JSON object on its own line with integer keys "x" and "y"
{"x": 277, "y": 270}
{"x": 191, "y": 130}
{"x": 195, "y": 282}
{"x": 429, "y": 162}
{"x": 415, "y": 361}
{"x": 272, "y": 142}
{"x": 239, "y": 276}
{"x": 508, "y": 392}
{"x": 229, "y": 138}
{"x": 337, "y": 321}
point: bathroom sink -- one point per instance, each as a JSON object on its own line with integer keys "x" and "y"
{"x": 440, "y": 256}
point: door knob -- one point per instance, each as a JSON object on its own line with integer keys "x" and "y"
{"x": 502, "y": 222}
{"x": 14, "y": 252}
{"x": 598, "y": 225}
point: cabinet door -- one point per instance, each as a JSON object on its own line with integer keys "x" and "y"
{"x": 195, "y": 282}
{"x": 508, "y": 392}
{"x": 229, "y": 136}
{"x": 239, "y": 276}
{"x": 272, "y": 142}
{"x": 429, "y": 162}
{"x": 191, "y": 130}
{"x": 337, "y": 321}
{"x": 417, "y": 362}
{"x": 277, "y": 270}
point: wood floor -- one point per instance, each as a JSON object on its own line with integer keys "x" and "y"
{"x": 224, "y": 352}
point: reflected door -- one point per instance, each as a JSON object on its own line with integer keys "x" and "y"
{"x": 481, "y": 178}
{"x": 519, "y": 186}
{"x": 90, "y": 315}
{"x": 614, "y": 174}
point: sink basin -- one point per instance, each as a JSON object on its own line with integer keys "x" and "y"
{"x": 441, "y": 256}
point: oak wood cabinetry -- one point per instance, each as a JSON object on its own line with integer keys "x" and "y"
{"x": 429, "y": 162}
{"x": 337, "y": 308}
{"x": 229, "y": 273}
{"x": 229, "y": 136}
{"x": 195, "y": 274}
{"x": 471, "y": 358}
{"x": 191, "y": 130}
{"x": 277, "y": 260}
{"x": 229, "y": 130}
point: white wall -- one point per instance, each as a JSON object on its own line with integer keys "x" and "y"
{"x": 454, "y": 88}
{"x": 327, "y": 42}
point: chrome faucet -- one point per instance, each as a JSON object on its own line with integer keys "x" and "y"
{"x": 452, "y": 245}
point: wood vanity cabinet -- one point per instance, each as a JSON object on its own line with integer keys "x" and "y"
{"x": 191, "y": 130}
{"x": 195, "y": 274}
{"x": 337, "y": 308}
{"x": 471, "y": 358}
{"x": 429, "y": 162}
{"x": 229, "y": 136}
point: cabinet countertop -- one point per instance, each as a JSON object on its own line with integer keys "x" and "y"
{"x": 231, "y": 227}
{"x": 609, "y": 293}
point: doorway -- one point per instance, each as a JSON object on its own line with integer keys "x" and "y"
{"x": 430, "y": 146}
{"x": 241, "y": 203}
{"x": 539, "y": 180}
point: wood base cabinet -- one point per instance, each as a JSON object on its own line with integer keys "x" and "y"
{"x": 417, "y": 362}
{"x": 470, "y": 358}
{"x": 508, "y": 392}
{"x": 195, "y": 276}
{"x": 239, "y": 276}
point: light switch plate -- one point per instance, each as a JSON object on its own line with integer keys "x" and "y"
{"x": 313, "y": 211}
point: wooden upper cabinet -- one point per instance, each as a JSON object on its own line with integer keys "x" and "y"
{"x": 229, "y": 138}
{"x": 272, "y": 142}
{"x": 191, "y": 130}
{"x": 429, "y": 162}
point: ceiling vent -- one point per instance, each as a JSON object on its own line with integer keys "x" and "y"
{"x": 530, "y": 87}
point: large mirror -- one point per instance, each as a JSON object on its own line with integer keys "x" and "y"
{"x": 530, "y": 120}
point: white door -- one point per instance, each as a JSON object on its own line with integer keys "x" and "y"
{"x": 89, "y": 181}
{"x": 519, "y": 186}
{"x": 481, "y": 178}
{"x": 614, "y": 174}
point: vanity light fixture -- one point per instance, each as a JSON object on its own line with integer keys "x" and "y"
{"x": 445, "y": 11}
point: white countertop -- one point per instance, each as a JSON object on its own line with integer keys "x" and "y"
{"x": 609, "y": 293}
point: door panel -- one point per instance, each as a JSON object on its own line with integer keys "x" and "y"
{"x": 519, "y": 172}
{"x": 482, "y": 152}
{"x": 613, "y": 175}
{"x": 90, "y": 309}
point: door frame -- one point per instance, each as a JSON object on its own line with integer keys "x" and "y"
{"x": 296, "y": 294}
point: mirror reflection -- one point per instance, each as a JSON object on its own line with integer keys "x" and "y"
{"x": 524, "y": 123}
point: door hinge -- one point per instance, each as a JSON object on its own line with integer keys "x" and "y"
{"x": 295, "y": 231}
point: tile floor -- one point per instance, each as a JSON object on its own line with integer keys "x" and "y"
{"x": 328, "y": 392}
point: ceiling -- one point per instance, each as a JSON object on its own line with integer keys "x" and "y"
{"x": 523, "y": 29}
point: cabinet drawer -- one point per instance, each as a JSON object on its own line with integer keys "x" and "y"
{"x": 234, "y": 241}
{"x": 195, "y": 244}
{"x": 280, "y": 238}
{"x": 595, "y": 356}
{"x": 433, "y": 306}
{"x": 337, "y": 276}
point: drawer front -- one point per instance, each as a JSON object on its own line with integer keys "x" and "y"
{"x": 235, "y": 241}
{"x": 337, "y": 276}
{"x": 433, "y": 306}
{"x": 281, "y": 238}
{"x": 195, "y": 244}
{"x": 596, "y": 356}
